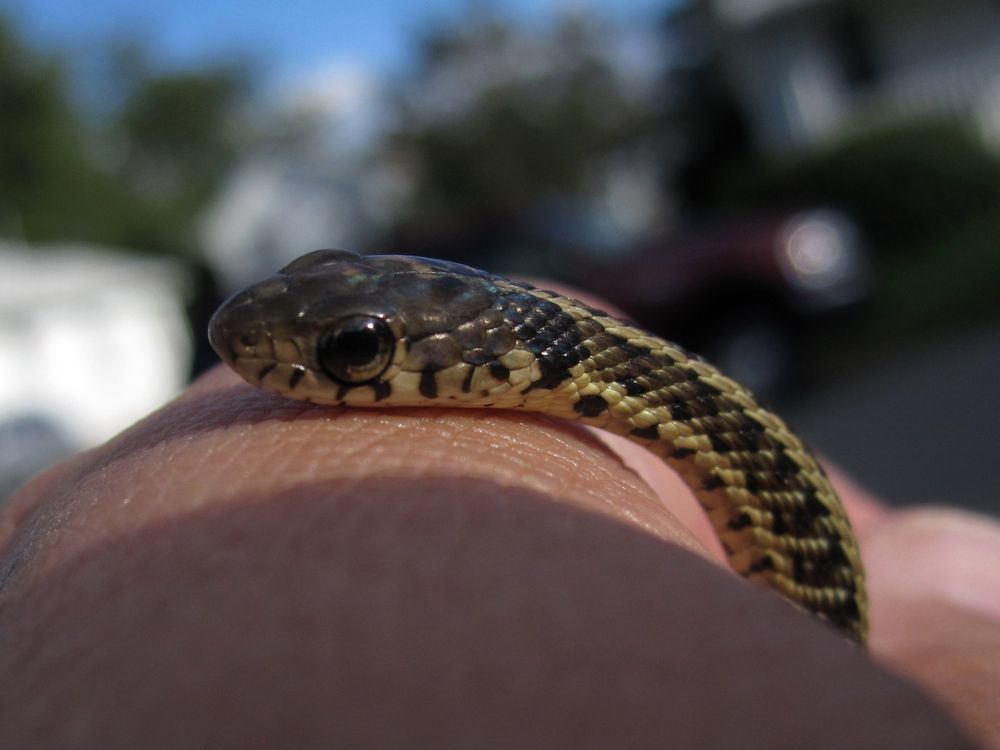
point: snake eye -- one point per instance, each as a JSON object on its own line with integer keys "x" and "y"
{"x": 356, "y": 349}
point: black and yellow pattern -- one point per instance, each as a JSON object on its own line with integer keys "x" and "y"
{"x": 334, "y": 327}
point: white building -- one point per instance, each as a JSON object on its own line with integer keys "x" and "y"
{"x": 806, "y": 69}
{"x": 91, "y": 339}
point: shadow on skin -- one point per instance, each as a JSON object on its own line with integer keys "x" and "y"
{"x": 239, "y": 569}
{"x": 425, "y": 612}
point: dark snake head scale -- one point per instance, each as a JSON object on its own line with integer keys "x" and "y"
{"x": 335, "y": 326}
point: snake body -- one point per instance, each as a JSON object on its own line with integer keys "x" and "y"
{"x": 334, "y": 327}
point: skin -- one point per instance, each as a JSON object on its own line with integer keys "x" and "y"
{"x": 241, "y": 570}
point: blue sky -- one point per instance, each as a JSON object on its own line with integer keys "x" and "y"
{"x": 288, "y": 38}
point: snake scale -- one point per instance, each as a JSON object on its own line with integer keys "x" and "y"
{"x": 334, "y": 327}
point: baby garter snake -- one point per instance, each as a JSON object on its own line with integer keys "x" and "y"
{"x": 335, "y": 327}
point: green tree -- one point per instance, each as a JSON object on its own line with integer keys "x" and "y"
{"x": 43, "y": 163}
{"x": 177, "y": 138}
{"x": 136, "y": 174}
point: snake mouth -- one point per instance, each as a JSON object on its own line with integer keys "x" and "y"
{"x": 258, "y": 354}
{"x": 221, "y": 345}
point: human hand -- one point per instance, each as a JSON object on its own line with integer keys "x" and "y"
{"x": 241, "y": 570}
{"x": 470, "y": 569}
{"x": 935, "y": 604}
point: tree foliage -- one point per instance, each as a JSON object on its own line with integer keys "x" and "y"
{"x": 137, "y": 176}
{"x": 42, "y": 161}
{"x": 179, "y": 139}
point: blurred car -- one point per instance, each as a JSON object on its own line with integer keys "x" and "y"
{"x": 745, "y": 294}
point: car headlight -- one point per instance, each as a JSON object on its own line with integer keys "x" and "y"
{"x": 819, "y": 250}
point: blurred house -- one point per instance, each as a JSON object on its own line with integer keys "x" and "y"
{"x": 90, "y": 341}
{"x": 316, "y": 186}
{"x": 805, "y": 70}
{"x": 270, "y": 211}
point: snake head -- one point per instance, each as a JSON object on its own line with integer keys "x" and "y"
{"x": 334, "y": 327}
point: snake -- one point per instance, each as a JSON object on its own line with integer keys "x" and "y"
{"x": 336, "y": 327}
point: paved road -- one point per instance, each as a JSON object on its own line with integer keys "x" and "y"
{"x": 924, "y": 427}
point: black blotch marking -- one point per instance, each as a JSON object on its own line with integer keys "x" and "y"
{"x": 836, "y": 553}
{"x": 764, "y": 563}
{"x": 813, "y": 504}
{"x": 632, "y": 350}
{"x": 845, "y": 616}
{"x": 719, "y": 444}
{"x": 713, "y": 482}
{"x": 537, "y": 346}
{"x": 682, "y": 453}
{"x": 467, "y": 382}
{"x": 476, "y": 356}
{"x": 785, "y": 466}
{"x": 265, "y": 370}
{"x": 709, "y": 404}
{"x": 295, "y": 377}
{"x": 648, "y": 433}
{"x": 571, "y": 357}
{"x": 549, "y": 380}
{"x": 778, "y": 524}
{"x": 706, "y": 390}
{"x": 798, "y": 521}
{"x": 525, "y": 332}
{"x": 590, "y": 406}
{"x": 342, "y": 391}
{"x": 850, "y": 608}
{"x": 633, "y": 387}
{"x": 750, "y": 438}
{"x": 798, "y": 568}
{"x": 428, "y": 384}
{"x": 546, "y": 331}
{"x": 740, "y": 522}
{"x": 498, "y": 371}
{"x": 679, "y": 410}
{"x": 381, "y": 388}
{"x": 752, "y": 482}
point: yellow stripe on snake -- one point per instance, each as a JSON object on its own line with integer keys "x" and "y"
{"x": 334, "y": 327}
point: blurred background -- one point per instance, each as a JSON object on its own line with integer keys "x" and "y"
{"x": 807, "y": 191}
